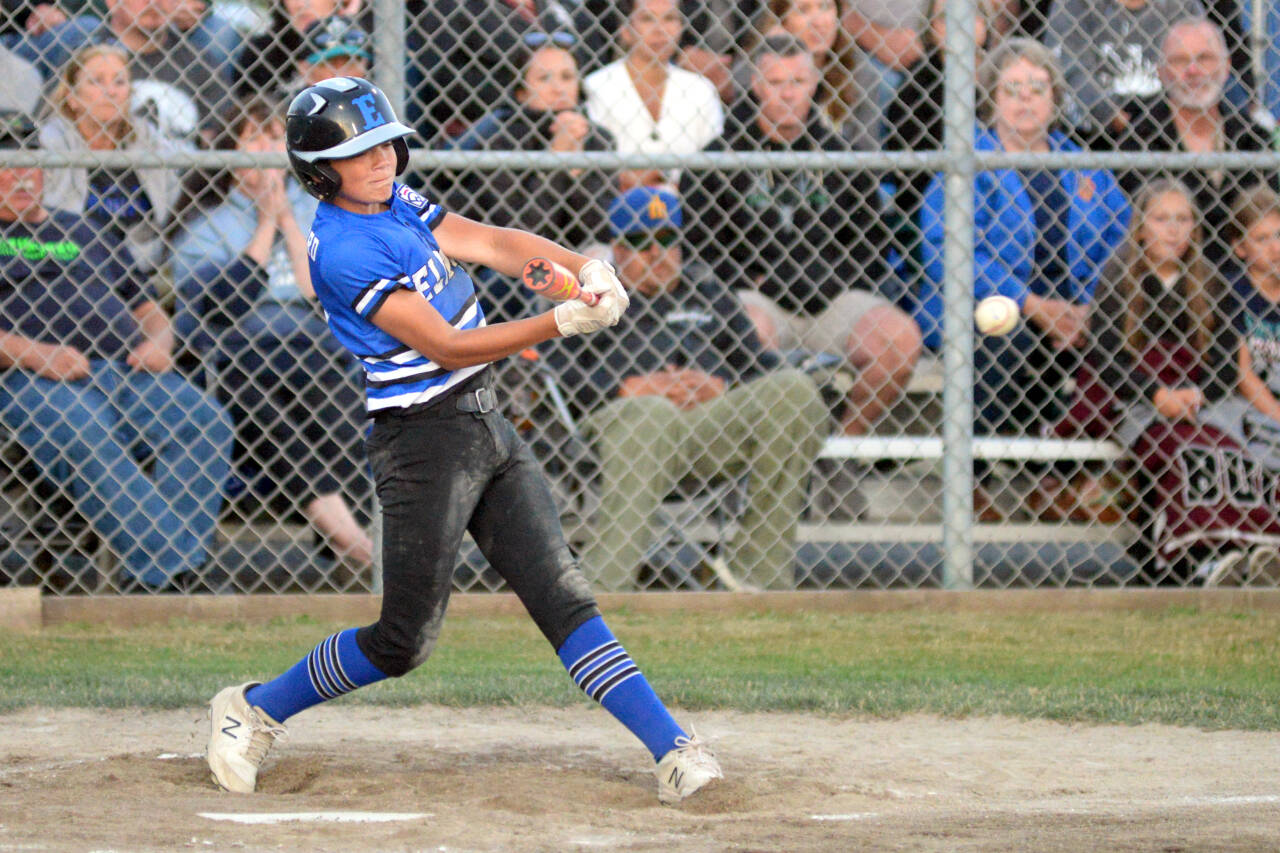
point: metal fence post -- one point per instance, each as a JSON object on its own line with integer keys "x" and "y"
{"x": 957, "y": 357}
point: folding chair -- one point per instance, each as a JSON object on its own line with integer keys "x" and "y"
{"x": 693, "y": 524}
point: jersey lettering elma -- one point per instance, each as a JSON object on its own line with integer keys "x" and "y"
{"x": 357, "y": 261}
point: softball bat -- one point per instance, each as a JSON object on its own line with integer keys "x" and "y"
{"x": 545, "y": 276}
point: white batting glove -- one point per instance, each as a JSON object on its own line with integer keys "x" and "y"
{"x": 578, "y": 318}
{"x": 598, "y": 277}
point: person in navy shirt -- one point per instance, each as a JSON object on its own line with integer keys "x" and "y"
{"x": 88, "y": 388}
{"x": 387, "y": 267}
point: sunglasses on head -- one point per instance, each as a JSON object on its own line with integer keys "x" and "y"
{"x": 559, "y": 38}
{"x": 666, "y": 238}
{"x": 332, "y": 36}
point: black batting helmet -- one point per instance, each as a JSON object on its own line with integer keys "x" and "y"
{"x": 339, "y": 118}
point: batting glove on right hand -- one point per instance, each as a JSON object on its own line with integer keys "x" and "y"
{"x": 598, "y": 277}
{"x": 578, "y": 318}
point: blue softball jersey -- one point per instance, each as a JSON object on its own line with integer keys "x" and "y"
{"x": 358, "y": 260}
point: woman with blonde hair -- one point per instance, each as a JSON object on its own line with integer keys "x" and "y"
{"x": 90, "y": 112}
{"x": 1161, "y": 373}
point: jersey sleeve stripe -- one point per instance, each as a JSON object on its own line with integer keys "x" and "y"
{"x": 432, "y": 215}
{"x": 374, "y": 294}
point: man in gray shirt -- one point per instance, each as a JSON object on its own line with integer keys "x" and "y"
{"x": 1110, "y": 55}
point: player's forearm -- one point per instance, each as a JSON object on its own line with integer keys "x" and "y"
{"x": 453, "y": 349}
{"x": 505, "y": 250}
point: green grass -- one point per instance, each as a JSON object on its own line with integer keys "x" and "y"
{"x": 1181, "y": 666}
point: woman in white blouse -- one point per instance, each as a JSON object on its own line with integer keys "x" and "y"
{"x": 649, "y": 105}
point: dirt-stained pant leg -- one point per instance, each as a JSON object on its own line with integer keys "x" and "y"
{"x": 438, "y": 473}
{"x": 430, "y": 469}
{"x": 516, "y": 525}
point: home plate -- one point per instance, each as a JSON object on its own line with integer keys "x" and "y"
{"x": 314, "y": 817}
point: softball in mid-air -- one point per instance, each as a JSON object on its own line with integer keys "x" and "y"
{"x": 996, "y": 315}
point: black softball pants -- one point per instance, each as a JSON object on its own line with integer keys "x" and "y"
{"x": 458, "y": 465}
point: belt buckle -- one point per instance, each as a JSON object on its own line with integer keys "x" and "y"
{"x": 485, "y": 401}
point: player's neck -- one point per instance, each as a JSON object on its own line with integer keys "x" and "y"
{"x": 362, "y": 208}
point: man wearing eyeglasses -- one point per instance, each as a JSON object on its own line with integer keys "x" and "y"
{"x": 87, "y": 386}
{"x": 684, "y": 388}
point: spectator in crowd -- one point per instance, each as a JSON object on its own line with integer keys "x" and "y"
{"x": 914, "y": 116}
{"x": 205, "y": 29}
{"x": 888, "y": 34}
{"x": 267, "y": 63}
{"x": 545, "y": 114}
{"x": 847, "y": 86}
{"x": 22, "y": 17}
{"x": 88, "y": 388}
{"x": 1042, "y": 238}
{"x": 1256, "y": 233}
{"x": 1110, "y": 53}
{"x": 683, "y": 388}
{"x": 335, "y": 47}
{"x": 646, "y": 103}
{"x": 178, "y": 83}
{"x": 713, "y": 41}
{"x": 803, "y": 249}
{"x": 21, "y": 91}
{"x": 459, "y": 60}
{"x": 714, "y": 35}
{"x": 1160, "y": 360}
{"x": 1192, "y": 115}
{"x": 91, "y": 113}
{"x": 245, "y": 307}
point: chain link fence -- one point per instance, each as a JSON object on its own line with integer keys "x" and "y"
{"x": 806, "y": 213}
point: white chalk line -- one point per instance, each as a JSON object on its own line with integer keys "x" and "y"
{"x": 314, "y": 817}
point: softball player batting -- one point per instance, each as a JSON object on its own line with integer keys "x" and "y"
{"x": 385, "y": 265}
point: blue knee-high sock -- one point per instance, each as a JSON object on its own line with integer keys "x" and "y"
{"x": 334, "y": 667}
{"x": 599, "y": 665}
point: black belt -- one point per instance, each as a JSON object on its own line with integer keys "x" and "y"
{"x": 480, "y": 400}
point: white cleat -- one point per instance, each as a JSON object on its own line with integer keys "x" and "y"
{"x": 686, "y": 769}
{"x": 238, "y": 740}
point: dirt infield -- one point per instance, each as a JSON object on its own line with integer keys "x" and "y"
{"x": 571, "y": 779}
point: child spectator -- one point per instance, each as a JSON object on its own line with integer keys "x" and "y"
{"x": 244, "y": 305}
{"x": 267, "y": 63}
{"x": 334, "y": 47}
{"x": 1160, "y": 375}
{"x": 1256, "y": 231}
